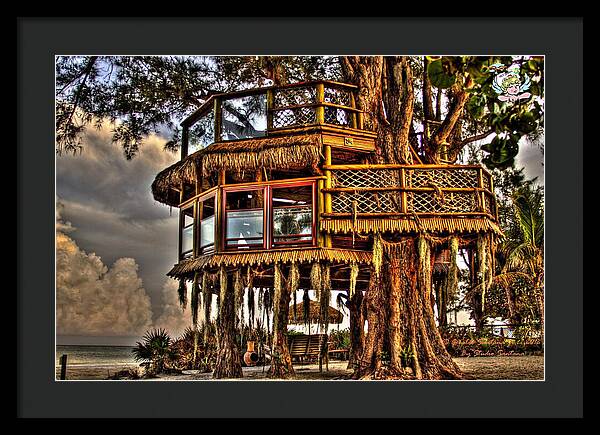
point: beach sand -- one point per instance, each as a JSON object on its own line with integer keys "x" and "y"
{"x": 474, "y": 368}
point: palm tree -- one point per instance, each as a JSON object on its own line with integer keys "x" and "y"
{"x": 154, "y": 351}
{"x": 522, "y": 253}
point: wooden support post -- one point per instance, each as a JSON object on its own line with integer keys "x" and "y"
{"x": 320, "y": 211}
{"x": 494, "y": 201}
{"x": 320, "y": 109}
{"x": 481, "y": 193}
{"x": 63, "y": 367}
{"x": 199, "y": 207}
{"x": 403, "y": 195}
{"x": 328, "y": 183}
{"x": 219, "y": 218}
{"x": 355, "y": 115}
{"x": 181, "y": 222}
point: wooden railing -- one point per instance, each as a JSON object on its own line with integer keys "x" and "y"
{"x": 356, "y": 191}
{"x": 270, "y": 111}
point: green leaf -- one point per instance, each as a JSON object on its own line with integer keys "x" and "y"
{"x": 438, "y": 77}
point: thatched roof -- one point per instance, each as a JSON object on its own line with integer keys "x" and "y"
{"x": 186, "y": 268}
{"x": 283, "y": 152}
{"x": 335, "y": 316}
{"x": 410, "y": 224}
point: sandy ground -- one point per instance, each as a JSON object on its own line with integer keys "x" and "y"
{"x": 474, "y": 368}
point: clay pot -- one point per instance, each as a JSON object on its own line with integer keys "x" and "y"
{"x": 250, "y": 357}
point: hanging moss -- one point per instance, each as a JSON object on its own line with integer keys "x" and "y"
{"x": 238, "y": 289}
{"x": 294, "y": 283}
{"x": 195, "y": 298}
{"x": 482, "y": 260}
{"x": 452, "y": 278}
{"x": 306, "y": 308}
{"x": 325, "y": 298}
{"x": 316, "y": 279}
{"x": 249, "y": 277}
{"x": 353, "y": 277}
{"x": 222, "y": 287}
{"x": 182, "y": 293}
{"x": 377, "y": 253}
{"x": 251, "y": 307}
{"x": 206, "y": 299}
{"x": 277, "y": 288}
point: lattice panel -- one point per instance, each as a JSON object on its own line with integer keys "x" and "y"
{"x": 295, "y": 96}
{"x": 366, "y": 202}
{"x": 442, "y": 178}
{"x": 450, "y": 202}
{"x": 489, "y": 205}
{"x": 338, "y": 116}
{"x": 486, "y": 182}
{"x": 340, "y": 97}
{"x": 290, "y": 117}
{"x": 368, "y": 178}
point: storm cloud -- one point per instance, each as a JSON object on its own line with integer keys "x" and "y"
{"x": 93, "y": 299}
{"x": 108, "y": 199}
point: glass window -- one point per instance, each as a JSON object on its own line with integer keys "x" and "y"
{"x": 292, "y": 215}
{"x": 187, "y": 232}
{"x": 244, "y": 117}
{"x": 206, "y": 209}
{"x": 244, "y": 219}
{"x": 202, "y": 133}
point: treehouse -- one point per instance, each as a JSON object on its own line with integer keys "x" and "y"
{"x": 281, "y": 175}
{"x": 276, "y": 189}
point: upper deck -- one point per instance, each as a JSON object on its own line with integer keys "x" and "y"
{"x": 281, "y": 174}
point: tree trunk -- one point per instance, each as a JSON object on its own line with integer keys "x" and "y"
{"x": 281, "y": 360}
{"x": 357, "y": 328}
{"x": 228, "y": 364}
{"x": 399, "y": 307}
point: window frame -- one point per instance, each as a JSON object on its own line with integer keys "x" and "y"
{"x": 198, "y": 249}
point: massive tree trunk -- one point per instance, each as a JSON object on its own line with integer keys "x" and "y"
{"x": 399, "y": 307}
{"x": 281, "y": 361}
{"x": 228, "y": 364}
{"x": 357, "y": 328}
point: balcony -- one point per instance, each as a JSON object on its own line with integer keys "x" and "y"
{"x": 368, "y": 198}
{"x": 273, "y": 111}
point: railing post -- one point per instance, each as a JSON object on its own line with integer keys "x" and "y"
{"x": 481, "y": 192}
{"x": 354, "y": 114}
{"x": 494, "y": 197}
{"x": 320, "y": 109}
{"x": 219, "y": 218}
{"x": 270, "y": 105}
{"x": 218, "y": 111}
{"x": 328, "y": 183}
{"x": 404, "y": 205}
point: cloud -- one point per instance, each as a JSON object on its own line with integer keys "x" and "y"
{"x": 173, "y": 318}
{"x": 93, "y": 299}
{"x": 108, "y": 199}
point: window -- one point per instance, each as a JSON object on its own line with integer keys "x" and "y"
{"x": 244, "y": 117}
{"x": 186, "y": 217}
{"x": 292, "y": 215}
{"x": 244, "y": 219}
{"x": 206, "y": 212}
{"x": 202, "y": 133}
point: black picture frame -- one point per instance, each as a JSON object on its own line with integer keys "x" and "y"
{"x": 560, "y": 40}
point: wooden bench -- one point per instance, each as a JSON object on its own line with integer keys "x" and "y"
{"x": 308, "y": 348}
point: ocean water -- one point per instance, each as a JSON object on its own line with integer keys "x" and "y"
{"x": 94, "y": 362}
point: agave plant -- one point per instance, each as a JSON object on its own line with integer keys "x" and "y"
{"x": 154, "y": 351}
